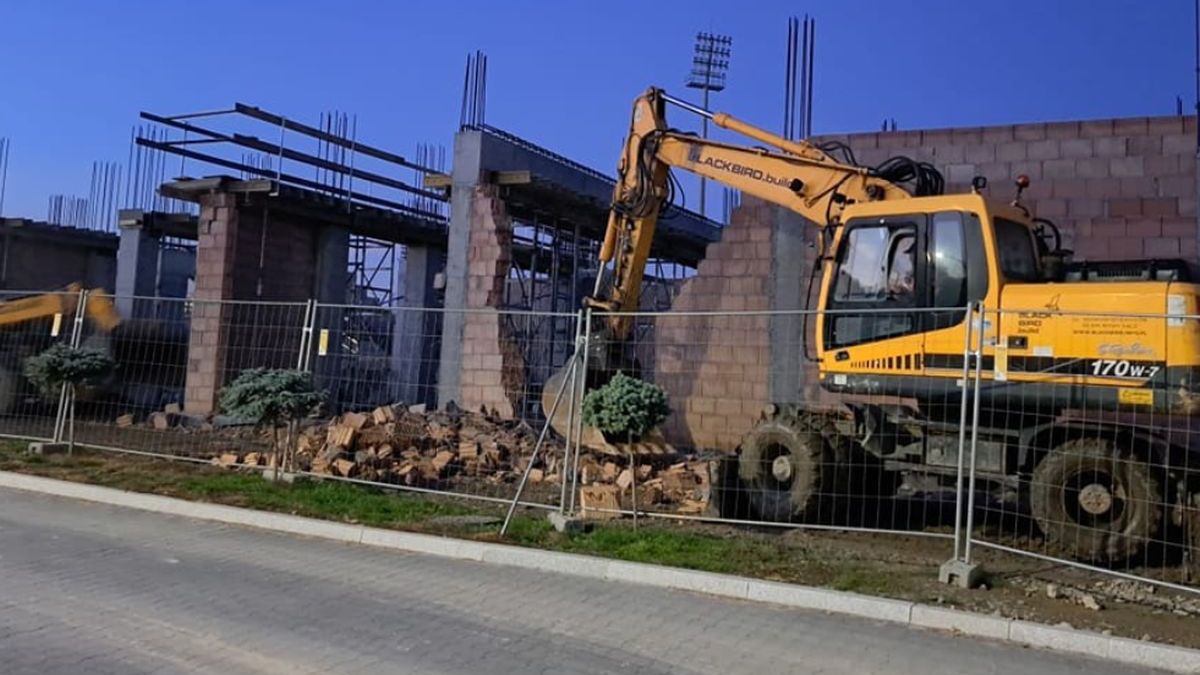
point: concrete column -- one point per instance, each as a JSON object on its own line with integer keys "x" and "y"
{"x": 333, "y": 257}
{"x": 137, "y": 269}
{"x": 414, "y": 359}
{"x": 468, "y": 165}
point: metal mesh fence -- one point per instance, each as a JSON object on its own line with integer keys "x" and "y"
{"x": 755, "y": 434}
{"x": 380, "y": 369}
{"x": 1061, "y": 436}
{"x": 36, "y": 322}
{"x": 1084, "y": 451}
{"x": 172, "y": 360}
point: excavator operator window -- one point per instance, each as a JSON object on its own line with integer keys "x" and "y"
{"x": 1018, "y": 254}
{"x": 878, "y": 269}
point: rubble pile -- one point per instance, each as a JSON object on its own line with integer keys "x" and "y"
{"x": 443, "y": 449}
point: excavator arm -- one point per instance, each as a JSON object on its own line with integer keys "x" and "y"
{"x": 99, "y": 308}
{"x": 793, "y": 174}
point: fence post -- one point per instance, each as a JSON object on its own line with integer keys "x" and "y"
{"x": 572, "y": 410}
{"x": 306, "y": 333}
{"x": 568, "y": 381}
{"x": 582, "y": 381}
{"x": 959, "y": 570}
{"x": 66, "y": 393}
{"x": 979, "y": 343}
{"x": 962, "y": 431}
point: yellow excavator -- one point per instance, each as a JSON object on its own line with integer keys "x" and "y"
{"x": 56, "y": 310}
{"x": 1090, "y": 373}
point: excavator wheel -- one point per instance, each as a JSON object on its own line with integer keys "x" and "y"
{"x": 789, "y": 468}
{"x": 1101, "y": 504}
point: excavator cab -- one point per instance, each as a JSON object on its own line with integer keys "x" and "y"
{"x": 897, "y": 284}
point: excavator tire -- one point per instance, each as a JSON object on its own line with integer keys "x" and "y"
{"x": 789, "y": 467}
{"x": 1099, "y": 504}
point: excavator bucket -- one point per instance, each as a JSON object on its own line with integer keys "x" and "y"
{"x": 101, "y": 310}
{"x": 649, "y": 444}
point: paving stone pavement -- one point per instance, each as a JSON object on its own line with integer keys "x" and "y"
{"x": 87, "y": 588}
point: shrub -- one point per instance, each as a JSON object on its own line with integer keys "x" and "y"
{"x": 62, "y": 364}
{"x": 625, "y": 407}
{"x": 271, "y": 396}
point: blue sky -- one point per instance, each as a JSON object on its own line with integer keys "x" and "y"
{"x": 74, "y": 75}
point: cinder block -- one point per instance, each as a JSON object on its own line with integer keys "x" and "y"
{"x": 942, "y": 154}
{"x": 1145, "y": 146}
{"x": 997, "y": 134}
{"x": 714, "y": 423}
{"x": 1124, "y": 167}
{"x": 994, "y": 171}
{"x": 1050, "y": 208}
{"x": 1137, "y": 186}
{"x": 1091, "y": 167}
{"x": 1132, "y": 126}
{"x": 966, "y": 136}
{"x": 1058, "y": 168}
{"x": 1179, "y": 227}
{"x": 1085, "y": 208}
{"x": 1160, "y": 206}
{"x": 1123, "y": 247}
{"x": 1096, "y": 128}
{"x": 1029, "y": 132}
{"x": 1012, "y": 152}
{"x": 1176, "y": 186}
{"x": 959, "y": 173}
{"x": 1144, "y": 227}
{"x": 1062, "y": 130}
{"x": 979, "y": 154}
{"x": 1043, "y": 149}
{"x": 1095, "y": 248}
{"x": 1167, "y": 165}
{"x": 1179, "y": 144}
{"x": 1108, "y": 228}
{"x": 1030, "y": 168}
{"x": 1110, "y": 146}
{"x": 1069, "y": 188}
{"x": 1076, "y": 148}
{"x": 1125, "y": 207}
{"x": 1164, "y": 126}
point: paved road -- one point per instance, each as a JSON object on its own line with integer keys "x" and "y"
{"x": 94, "y": 589}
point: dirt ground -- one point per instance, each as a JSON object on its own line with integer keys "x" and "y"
{"x": 905, "y": 567}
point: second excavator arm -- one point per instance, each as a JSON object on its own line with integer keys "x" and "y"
{"x": 793, "y": 174}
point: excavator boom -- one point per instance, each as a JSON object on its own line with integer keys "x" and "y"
{"x": 793, "y": 174}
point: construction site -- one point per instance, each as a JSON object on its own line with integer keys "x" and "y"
{"x": 457, "y": 306}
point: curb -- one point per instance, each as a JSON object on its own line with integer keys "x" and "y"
{"x": 1026, "y": 633}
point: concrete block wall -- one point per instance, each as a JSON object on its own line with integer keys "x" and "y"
{"x": 492, "y": 371}
{"x": 715, "y": 369}
{"x": 1118, "y": 188}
